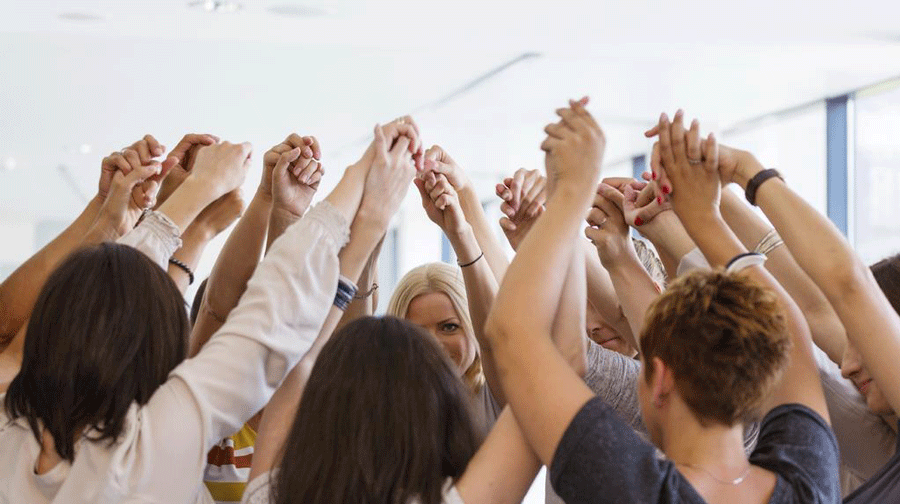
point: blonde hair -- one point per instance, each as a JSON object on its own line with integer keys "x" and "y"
{"x": 446, "y": 279}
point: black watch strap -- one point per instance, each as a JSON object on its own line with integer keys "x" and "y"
{"x": 757, "y": 181}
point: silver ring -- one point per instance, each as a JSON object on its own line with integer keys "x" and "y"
{"x": 695, "y": 161}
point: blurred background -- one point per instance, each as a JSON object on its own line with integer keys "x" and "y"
{"x": 809, "y": 86}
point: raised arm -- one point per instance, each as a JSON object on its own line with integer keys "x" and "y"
{"x": 610, "y": 233}
{"x": 280, "y": 190}
{"x": 385, "y": 185}
{"x": 531, "y": 196}
{"x": 520, "y": 325}
{"x": 438, "y": 161}
{"x": 695, "y": 193}
{"x": 827, "y": 331}
{"x": 872, "y": 325}
{"x": 19, "y": 291}
{"x": 212, "y": 220}
{"x": 442, "y": 205}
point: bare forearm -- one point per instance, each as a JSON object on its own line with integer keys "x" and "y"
{"x": 670, "y": 239}
{"x": 481, "y": 288}
{"x": 635, "y": 289}
{"x": 602, "y": 294}
{"x": 569, "y": 326}
{"x": 193, "y": 243}
{"x": 279, "y": 221}
{"x": 827, "y": 331}
{"x": 235, "y": 265}
{"x": 490, "y": 245}
{"x": 20, "y": 290}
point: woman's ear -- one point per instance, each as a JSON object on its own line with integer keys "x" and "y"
{"x": 662, "y": 384}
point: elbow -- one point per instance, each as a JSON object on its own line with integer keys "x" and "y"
{"x": 847, "y": 279}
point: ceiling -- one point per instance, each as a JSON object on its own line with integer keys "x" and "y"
{"x": 79, "y": 79}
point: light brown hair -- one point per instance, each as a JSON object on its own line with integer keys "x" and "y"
{"x": 725, "y": 339}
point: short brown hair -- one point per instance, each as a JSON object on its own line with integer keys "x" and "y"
{"x": 726, "y": 340}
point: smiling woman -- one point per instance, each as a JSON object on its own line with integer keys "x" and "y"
{"x": 433, "y": 296}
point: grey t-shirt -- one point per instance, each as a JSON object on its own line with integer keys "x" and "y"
{"x": 883, "y": 487}
{"x": 600, "y": 459}
{"x": 485, "y": 410}
{"x": 613, "y": 377}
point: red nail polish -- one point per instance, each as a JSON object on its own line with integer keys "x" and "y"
{"x": 654, "y": 175}
{"x": 659, "y": 200}
{"x": 666, "y": 190}
{"x": 638, "y": 222}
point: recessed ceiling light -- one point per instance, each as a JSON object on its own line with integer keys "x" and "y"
{"x": 215, "y": 5}
{"x": 81, "y": 17}
{"x": 9, "y": 163}
{"x": 294, "y": 10}
{"x": 85, "y": 148}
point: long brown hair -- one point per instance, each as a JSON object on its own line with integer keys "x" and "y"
{"x": 107, "y": 328}
{"x": 384, "y": 418}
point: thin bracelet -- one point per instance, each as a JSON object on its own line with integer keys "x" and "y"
{"x": 471, "y": 263}
{"x": 367, "y": 294}
{"x": 770, "y": 242}
{"x": 184, "y": 267}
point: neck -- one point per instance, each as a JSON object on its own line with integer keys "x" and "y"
{"x": 716, "y": 448}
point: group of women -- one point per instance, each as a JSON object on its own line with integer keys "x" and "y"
{"x": 719, "y": 358}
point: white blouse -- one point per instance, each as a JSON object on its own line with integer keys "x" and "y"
{"x": 161, "y": 453}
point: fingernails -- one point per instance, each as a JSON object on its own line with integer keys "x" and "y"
{"x": 654, "y": 176}
{"x": 659, "y": 200}
{"x": 638, "y": 221}
{"x": 666, "y": 189}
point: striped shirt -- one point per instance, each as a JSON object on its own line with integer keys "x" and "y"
{"x": 228, "y": 466}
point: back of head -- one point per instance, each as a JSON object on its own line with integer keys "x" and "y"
{"x": 724, "y": 338}
{"x": 383, "y": 418}
{"x": 106, "y": 330}
{"x": 438, "y": 277}
{"x": 887, "y": 274}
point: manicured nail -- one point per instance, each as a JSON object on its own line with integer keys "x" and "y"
{"x": 659, "y": 200}
{"x": 666, "y": 189}
{"x": 638, "y": 221}
{"x": 654, "y": 175}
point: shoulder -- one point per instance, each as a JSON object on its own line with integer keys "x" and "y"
{"x": 798, "y": 445}
{"x": 259, "y": 489}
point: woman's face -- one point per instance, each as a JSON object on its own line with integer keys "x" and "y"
{"x": 435, "y": 313}
{"x": 604, "y": 335}
{"x": 854, "y": 370}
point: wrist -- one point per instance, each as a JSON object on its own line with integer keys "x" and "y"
{"x": 461, "y": 237}
{"x": 264, "y": 194}
{"x": 198, "y": 232}
{"x": 748, "y": 166}
{"x": 614, "y": 251}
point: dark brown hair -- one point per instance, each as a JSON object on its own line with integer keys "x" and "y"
{"x": 107, "y": 328}
{"x": 726, "y": 340}
{"x": 384, "y": 418}
{"x": 887, "y": 274}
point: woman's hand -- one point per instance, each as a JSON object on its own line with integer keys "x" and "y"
{"x": 389, "y": 176}
{"x": 220, "y": 168}
{"x": 438, "y": 161}
{"x": 692, "y": 168}
{"x": 574, "y": 147}
{"x": 120, "y": 211}
{"x": 523, "y": 195}
{"x": 180, "y": 161}
{"x": 441, "y": 202}
{"x": 607, "y": 228}
{"x": 294, "y": 177}
{"x": 310, "y": 150}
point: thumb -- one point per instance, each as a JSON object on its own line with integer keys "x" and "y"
{"x": 420, "y": 185}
